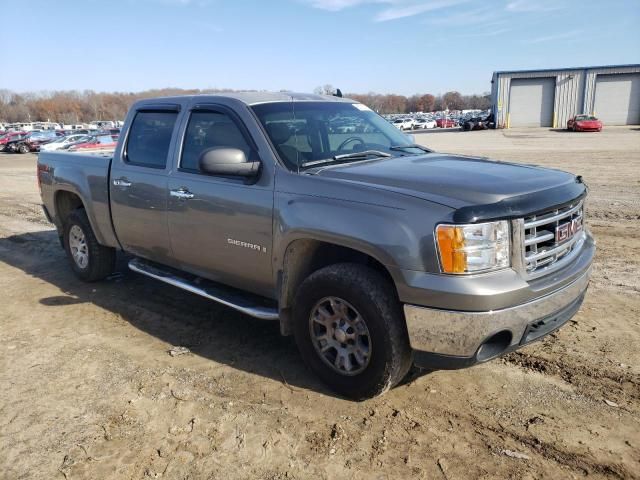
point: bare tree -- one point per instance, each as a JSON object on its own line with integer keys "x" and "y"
{"x": 325, "y": 90}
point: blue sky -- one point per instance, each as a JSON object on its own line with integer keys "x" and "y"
{"x": 386, "y": 46}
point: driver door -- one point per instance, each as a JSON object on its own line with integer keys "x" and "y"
{"x": 220, "y": 226}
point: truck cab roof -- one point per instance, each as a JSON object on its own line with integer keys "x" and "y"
{"x": 252, "y": 98}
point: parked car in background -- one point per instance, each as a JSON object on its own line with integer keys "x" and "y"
{"x": 479, "y": 123}
{"x": 62, "y": 143}
{"x": 86, "y": 131}
{"x": 74, "y": 126}
{"x": 9, "y": 137}
{"x": 584, "y": 123}
{"x": 423, "y": 123}
{"x": 102, "y": 124}
{"x": 31, "y": 142}
{"x": 98, "y": 142}
{"x": 398, "y": 122}
{"x": 446, "y": 122}
{"x": 403, "y": 123}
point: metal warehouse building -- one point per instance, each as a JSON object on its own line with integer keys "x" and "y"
{"x": 548, "y": 98}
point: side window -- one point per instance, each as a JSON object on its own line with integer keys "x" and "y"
{"x": 210, "y": 129}
{"x": 149, "y": 138}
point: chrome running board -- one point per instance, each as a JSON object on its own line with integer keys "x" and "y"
{"x": 224, "y": 295}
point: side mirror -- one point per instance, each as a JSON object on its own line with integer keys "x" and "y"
{"x": 227, "y": 161}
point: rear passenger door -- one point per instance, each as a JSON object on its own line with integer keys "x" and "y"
{"x": 221, "y": 226}
{"x": 138, "y": 183}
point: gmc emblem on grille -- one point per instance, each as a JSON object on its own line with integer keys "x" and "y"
{"x": 567, "y": 230}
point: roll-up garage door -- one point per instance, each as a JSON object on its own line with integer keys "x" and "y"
{"x": 618, "y": 99}
{"x": 531, "y": 102}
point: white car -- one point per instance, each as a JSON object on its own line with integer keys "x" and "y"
{"x": 64, "y": 142}
{"x": 422, "y": 123}
{"x": 403, "y": 123}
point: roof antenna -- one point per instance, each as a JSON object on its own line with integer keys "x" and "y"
{"x": 338, "y": 93}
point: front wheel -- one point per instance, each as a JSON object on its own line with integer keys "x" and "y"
{"x": 350, "y": 330}
{"x": 89, "y": 260}
{"x": 23, "y": 148}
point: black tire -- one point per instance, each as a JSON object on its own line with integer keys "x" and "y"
{"x": 101, "y": 259}
{"x": 24, "y": 148}
{"x": 374, "y": 298}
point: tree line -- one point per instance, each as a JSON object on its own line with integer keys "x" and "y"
{"x": 391, "y": 103}
{"x": 69, "y": 107}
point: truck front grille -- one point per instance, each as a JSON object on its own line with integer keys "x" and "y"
{"x": 550, "y": 239}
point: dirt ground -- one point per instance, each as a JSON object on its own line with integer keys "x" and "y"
{"x": 89, "y": 390}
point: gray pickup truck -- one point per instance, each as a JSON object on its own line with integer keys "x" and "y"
{"x": 374, "y": 252}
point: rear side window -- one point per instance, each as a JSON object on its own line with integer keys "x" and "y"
{"x": 149, "y": 138}
{"x": 207, "y": 130}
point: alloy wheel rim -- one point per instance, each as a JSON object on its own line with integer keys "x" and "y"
{"x": 78, "y": 246}
{"x": 340, "y": 336}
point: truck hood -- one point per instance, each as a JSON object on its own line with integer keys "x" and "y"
{"x": 463, "y": 182}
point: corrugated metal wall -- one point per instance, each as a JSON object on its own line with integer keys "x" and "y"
{"x": 574, "y": 94}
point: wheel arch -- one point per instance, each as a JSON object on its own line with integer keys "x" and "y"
{"x": 66, "y": 201}
{"x": 303, "y": 256}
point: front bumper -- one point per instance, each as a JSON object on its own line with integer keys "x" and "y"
{"x": 448, "y": 339}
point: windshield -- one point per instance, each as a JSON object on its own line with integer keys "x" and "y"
{"x": 585, "y": 117}
{"x": 305, "y": 132}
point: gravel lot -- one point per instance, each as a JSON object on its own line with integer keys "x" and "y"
{"x": 89, "y": 389}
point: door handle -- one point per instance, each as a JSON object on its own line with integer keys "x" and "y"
{"x": 181, "y": 193}
{"x": 121, "y": 182}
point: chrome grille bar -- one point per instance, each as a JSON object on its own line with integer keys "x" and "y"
{"x": 553, "y": 251}
{"x": 541, "y": 253}
{"x": 538, "y": 238}
{"x": 558, "y": 215}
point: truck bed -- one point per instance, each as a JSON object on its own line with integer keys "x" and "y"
{"x": 85, "y": 175}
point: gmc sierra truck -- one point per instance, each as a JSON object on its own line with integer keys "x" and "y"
{"x": 373, "y": 251}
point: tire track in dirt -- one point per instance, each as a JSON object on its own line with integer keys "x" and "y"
{"x": 575, "y": 461}
{"x": 586, "y": 378}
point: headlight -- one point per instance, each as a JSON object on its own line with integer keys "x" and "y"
{"x": 473, "y": 248}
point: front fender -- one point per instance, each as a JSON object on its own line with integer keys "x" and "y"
{"x": 393, "y": 234}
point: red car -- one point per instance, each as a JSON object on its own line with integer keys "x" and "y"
{"x": 446, "y": 122}
{"x": 584, "y": 123}
{"x": 10, "y": 136}
{"x": 99, "y": 142}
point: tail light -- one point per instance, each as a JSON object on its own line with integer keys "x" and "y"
{"x": 41, "y": 168}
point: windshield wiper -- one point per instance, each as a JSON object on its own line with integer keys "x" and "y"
{"x": 411, "y": 145}
{"x": 347, "y": 156}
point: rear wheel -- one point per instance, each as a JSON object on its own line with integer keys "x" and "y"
{"x": 89, "y": 260}
{"x": 24, "y": 148}
{"x": 350, "y": 330}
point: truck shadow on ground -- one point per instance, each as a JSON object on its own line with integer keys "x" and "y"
{"x": 172, "y": 315}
